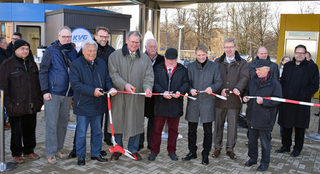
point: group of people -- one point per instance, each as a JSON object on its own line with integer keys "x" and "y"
{"x": 98, "y": 68}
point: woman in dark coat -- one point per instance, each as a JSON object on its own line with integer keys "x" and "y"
{"x": 19, "y": 78}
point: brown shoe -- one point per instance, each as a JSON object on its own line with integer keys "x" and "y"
{"x": 32, "y": 156}
{"x": 7, "y": 126}
{"x": 18, "y": 159}
{"x": 216, "y": 153}
{"x": 139, "y": 158}
{"x": 115, "y": 155}
{"x": 231, "y": 154}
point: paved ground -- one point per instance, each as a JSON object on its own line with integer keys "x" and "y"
{"x": 307, "y": 162}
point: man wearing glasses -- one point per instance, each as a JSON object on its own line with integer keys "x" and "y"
{"x": 235, "y": 76}
{"x": 56, "y": 90}
{"x": 130, "y": 70}
{"x": 15, "y": 36}
{"x": 299, "y": 81}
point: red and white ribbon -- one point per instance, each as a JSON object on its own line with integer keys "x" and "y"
{"x": 143, "y": 93}
{"x": 116, "y": 147}
{"x": 283, "y": 100}
{"x": 231, "y": 92}
{"x": 214, "y": 94}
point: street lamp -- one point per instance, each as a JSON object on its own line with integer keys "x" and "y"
{"x": 180, "y": 26}
{"x": 250, "y": 43}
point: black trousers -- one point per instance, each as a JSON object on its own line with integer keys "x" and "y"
{"x": 149, "y": 132}
{"x": 192, "y": 137}
{"x": 265, "y": 141}
{"x": 23, "y": 134}
{"x": 298, "y": 138}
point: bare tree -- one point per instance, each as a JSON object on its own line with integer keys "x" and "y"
{"x": 205, "y": 20}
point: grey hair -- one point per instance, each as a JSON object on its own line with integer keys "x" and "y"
{"x": 202, "y": 48}
{"x": 64, "y": 28}
{"x": 149, "y": 40}
{"x": 231, "y": 39}
{"x": 136, "y": 33}
{"x": 89, "y": 42}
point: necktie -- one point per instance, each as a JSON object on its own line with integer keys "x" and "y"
{"x": 170, "y": 72}
{"x": 132, "y": 56}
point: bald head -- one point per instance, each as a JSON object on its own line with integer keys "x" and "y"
{"x": 262, "y": 53}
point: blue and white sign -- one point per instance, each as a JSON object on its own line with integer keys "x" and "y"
{"x": 80, "y": 35}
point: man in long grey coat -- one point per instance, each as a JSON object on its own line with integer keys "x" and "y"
{"x": 130, "y": 70}
{"x": 204, "y": 75}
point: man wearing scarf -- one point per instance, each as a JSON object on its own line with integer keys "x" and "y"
{"x": 130, "y": 70}
{"x": 261, "y": 113}
{"x": 56, "y": 90}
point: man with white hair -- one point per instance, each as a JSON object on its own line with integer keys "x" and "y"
{"x": 56, "y": 90}
{"x": 89, "y": 77}
{"x": 155, "y": 58}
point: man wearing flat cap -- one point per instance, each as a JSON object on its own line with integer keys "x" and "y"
{"x": 170, "y": 78}
{"x": 261, "y": 113}
{"x": 19, "y": 78}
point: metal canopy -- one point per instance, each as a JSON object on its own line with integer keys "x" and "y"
{"x": 158, "y": 3}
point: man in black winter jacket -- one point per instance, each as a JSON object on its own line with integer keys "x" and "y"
{"x": 3, "y": 47}
{"x": 170, "y": 78}
{"x": 262, "y": 53}
{"x": 261, "y": 113}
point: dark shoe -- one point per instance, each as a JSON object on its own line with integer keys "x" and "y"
{"x": 173, "y": 157}
{"x": 139, "y": 158}
{"x": 152, "y": 157}
{"x": 103, "y": 153}
{"x": 205, "y": 160}
{"x": 317, "y": 114}
{"x": 141, "y": 146}
{"x": 99, "y": 158}
{"x": 115, "y": 155}
{"x": 250, "y": 163}
{"x": 189, "y": 156}
{"x": 81, "y": 161}
{"x": 108, "y": 142}
{"x": 72, "y": 154}
{"x": 231, "y": 154}
{"x": 282, "y": 150}
{"x": 262, "y": 167}
{"x": 216, "y": 153}
{"x": 295, "y": 153}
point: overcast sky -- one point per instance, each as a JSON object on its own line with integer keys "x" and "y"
{"x": 285, "y": 7}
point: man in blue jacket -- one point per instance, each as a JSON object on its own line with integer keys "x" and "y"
{"x": 89, "y": 77}
{"x": 56, "y": 90}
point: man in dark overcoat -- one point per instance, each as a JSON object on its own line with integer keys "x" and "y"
{"x": 261, "y": 113}
{"x": 299, "y": 81}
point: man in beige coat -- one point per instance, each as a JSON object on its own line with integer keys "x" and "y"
{"x": 130, "y": 70}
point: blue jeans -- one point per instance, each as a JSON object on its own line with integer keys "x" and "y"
{"x": 133, "y": 144}
{"x": 96, "y": 135}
